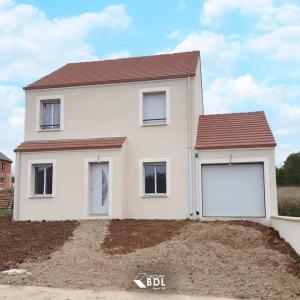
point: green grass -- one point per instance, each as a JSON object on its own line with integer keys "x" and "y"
{"x": 6, "y": 212}
{"x": 289, "y": 209}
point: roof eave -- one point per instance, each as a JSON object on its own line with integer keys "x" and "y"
{"x": 32, "y": 87}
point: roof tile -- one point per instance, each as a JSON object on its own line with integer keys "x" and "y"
{"x": 68, "y": 144}
{"x": 164, "y": 66}
{"x": 235, "y": 130}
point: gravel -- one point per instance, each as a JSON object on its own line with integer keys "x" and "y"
{"x": 204, "y": 258}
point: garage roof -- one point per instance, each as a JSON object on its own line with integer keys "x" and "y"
{"x": 68, "y": 144}
{"x": 164, "y": 66}
{"x": 235, "y": 130}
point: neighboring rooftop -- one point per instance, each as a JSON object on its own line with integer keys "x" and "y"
{"x": 5, "y": 158}
{"x": 235, "y": 130}
{"x": 164, "y": 66}
{"x": 70, "y": 144}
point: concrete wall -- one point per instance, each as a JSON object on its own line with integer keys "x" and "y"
{"x": 108, "y": 111}
{"x": 289, "y": 230}
{"x": 265, "y": 155}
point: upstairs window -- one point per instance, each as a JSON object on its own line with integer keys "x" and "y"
{"x": 43, "y": 176}
{"x": 2, "y": 166}
{"x": 154, "y": 106}
{"x": 50, "y": 114}
{"x": 2, "y": 180}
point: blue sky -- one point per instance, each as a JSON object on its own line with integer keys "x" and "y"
{"x": 249, "y": 51}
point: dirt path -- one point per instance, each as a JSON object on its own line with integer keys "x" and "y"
{"x": 215, "y": 259}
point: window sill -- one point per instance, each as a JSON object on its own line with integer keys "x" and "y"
{"x": 155, "y": 196}
{"x": 154, "y": 124}
{"x": 40, "y": 196}
{"x": 52, "y": 129}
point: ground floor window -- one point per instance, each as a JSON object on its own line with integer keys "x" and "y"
{"x": 2, "y": 180}
{"x": 43, "y": 177}
{"x": 155, "y": 178}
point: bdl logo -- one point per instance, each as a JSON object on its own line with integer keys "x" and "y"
{"x": 144, "y": 280}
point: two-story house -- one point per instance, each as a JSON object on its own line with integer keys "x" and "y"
{"x": 128, "y": 138}
{"x": 5, "y": 172}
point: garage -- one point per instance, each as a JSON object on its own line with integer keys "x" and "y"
{"x": 233, "y": 190}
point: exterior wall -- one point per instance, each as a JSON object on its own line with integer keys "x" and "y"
{"x": 108, "y": 111}
{"x": 266, "y": 155}
{"x": 6, "y": 175}
{"x": 70, "y": 187}
{"x": 289, "y": 230}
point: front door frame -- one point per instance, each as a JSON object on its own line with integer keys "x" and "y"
{"x": 87, "y": 163}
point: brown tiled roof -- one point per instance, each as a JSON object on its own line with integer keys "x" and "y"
{"x": 164, "y": 66}
{"x": 236, "y": 130}
{"x": 67, "y": 144}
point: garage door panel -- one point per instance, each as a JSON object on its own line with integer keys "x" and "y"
{"x": 235, "y": 190}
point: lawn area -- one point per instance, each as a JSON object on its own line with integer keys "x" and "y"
{"x": 289, "y": 201}
{"x": 6, "y": 212}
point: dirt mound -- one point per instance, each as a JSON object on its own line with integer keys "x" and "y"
{"x": 31, "y": 240}
{"x": 125, "y": 236}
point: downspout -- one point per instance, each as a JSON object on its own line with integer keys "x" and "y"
{"x": 189, "y": 135}
{"x": 197, "y": 185}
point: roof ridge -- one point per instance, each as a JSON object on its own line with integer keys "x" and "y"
{"x": 233, "y": 113}
{"x": 132, "y": 57}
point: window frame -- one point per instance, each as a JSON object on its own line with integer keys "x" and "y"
{"x": 31, "y": 178}
{"x": 154, "y": 90}
{"x": 39, "y": 111}
{"x": 2, "y": 180}
{"x": 142, "y": 162}
{"x": 3, "y": 166}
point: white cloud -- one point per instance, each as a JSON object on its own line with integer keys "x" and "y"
{"x": 32, "y": 44}
{"x": 175, "y": 35}
{"x": 11, "y": 118}
{"x": 280, "y": 44}
{"x": 218, "y": 53}
{"x": 267, "y": 12}
{"x": 115, "y": 55}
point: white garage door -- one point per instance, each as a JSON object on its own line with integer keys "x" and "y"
{"x": 235, "y": 190}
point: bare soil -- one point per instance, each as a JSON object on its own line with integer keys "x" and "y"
{"x": 229, "y": 259}
{"x": 125, "y": 236}
{"x": 20, "y": 241}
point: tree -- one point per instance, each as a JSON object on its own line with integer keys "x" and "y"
{"x": 289, "y": 173}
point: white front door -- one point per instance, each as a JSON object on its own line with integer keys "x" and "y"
{"x": 99, "y": 176}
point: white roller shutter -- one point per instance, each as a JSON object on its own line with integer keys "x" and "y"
{"x": 235, "y": 190}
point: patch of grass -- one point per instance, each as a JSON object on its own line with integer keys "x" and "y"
{"x": 289, "y": 209}
{"x": 6, "y": 212}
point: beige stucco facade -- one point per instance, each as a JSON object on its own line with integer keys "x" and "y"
{"x": 112, "y": 110}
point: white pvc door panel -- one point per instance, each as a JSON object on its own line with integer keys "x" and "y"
{"x": 99, "y": 174}
{"x": 235, "y": 190}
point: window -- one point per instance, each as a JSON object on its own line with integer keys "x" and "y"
{"x": 43, "y": 176}
{"x": 3, "y": 166}
{"x": 155, "y": 179}
{"x": 154, "y": 106}
{"x": 2, "y": 180}
{"x": 50, "y": 114}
